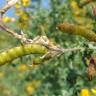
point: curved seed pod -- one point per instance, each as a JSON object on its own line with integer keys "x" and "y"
{"x": 91, "y": 71}
{"x": 20, "y": 51}
{"x": 77, "y": 30}
{"x": 94, "y": 11}
{"x": 39, "y": 60}
{"x": 84, "y": 3}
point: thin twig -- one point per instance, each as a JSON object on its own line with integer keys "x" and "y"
{"x": 9, "y": 4}
{"x": 81, "y": 5}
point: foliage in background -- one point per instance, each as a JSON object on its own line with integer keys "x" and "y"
{"x": 63, "y": 76}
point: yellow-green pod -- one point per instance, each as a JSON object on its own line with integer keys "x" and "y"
{"x": 20, "y": 51}
{"x": 77, "y": 30}
{"x": 37, "y": 60}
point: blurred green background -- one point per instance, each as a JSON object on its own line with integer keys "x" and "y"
{"x": 62, "y": 76}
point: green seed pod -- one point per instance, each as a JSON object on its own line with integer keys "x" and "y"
{"x": 77, "y": 30}
{"x": 37, "y": 61}
{"x": 20, "y": 51}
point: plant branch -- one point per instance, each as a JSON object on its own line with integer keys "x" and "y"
{"x": 9, "y": 4}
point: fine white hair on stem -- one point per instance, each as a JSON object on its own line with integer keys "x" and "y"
{"x": 12, "y": 2}
{"x": 9, "y": 4}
